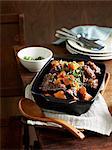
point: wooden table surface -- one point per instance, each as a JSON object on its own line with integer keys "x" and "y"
{"x": 62, "y": 140}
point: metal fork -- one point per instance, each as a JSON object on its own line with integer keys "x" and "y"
{"x": 65, "y": 33}
{"x": 66, "y": 36}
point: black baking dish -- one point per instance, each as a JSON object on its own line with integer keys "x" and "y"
{"x": 53, "y": 103}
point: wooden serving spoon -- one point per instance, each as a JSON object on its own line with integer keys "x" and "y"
{"x": 32, "y": 111}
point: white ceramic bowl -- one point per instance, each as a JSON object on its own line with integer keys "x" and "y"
{"x": 34, "y": 52}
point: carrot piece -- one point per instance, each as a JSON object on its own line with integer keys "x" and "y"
{"x": 73, "y": 65}
{"x": 81, "y": 63}
{"x": 60, "y": 94}
{"x": 47, "y": 94}
{"x": 82, "y": 90}
{"x": 62, "y": 74}
{"x": 55, "y": 63}
{"x": 58, "y": 81}
{"x": 86, "y": 96}
{"x": 66, "y": 80}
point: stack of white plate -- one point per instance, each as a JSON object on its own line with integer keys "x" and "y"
{"x": 103, "y": 54}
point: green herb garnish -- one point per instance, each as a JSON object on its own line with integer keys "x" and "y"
{"x": 31, "y": 58}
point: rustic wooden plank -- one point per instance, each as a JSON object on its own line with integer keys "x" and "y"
{"x": 42, "y": 18}
{"x": 9, "y": 18}
{"x": 12, "y": 32}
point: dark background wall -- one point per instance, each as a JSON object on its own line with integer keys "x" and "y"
{"x": 42, "y": 18}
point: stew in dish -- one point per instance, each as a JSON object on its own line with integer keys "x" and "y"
{"x": 71, "y": 80}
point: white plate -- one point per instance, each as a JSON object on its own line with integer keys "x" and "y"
{"x": 106, "y": 49}
{"x": 92, "y": 57}
{"x": 73, "y": 51}
{"x": 102, "y": 58}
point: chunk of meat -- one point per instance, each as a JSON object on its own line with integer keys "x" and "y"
{"x": 93, "y": 83}
{"x": 47, "y": 85}
{"x": 94, "y": 67}
{"x": 89, "y": 72}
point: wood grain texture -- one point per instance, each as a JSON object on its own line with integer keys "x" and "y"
{"x": 54, "y": 139}
{"x": 11, "y": 132}
{"x": 12, "y": 33}
{"x": 42, "y": 18}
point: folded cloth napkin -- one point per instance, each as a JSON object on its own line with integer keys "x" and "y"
{"x": 90, "y": 32}
{"x": 97, "y": 119}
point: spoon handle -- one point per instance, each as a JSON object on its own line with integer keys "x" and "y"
{"x": 69, "y": 127}
{"x": 63, "y": 123}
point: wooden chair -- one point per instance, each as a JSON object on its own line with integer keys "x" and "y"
{"x": 12, "y": 23}
{"x": 12, "y": 33}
